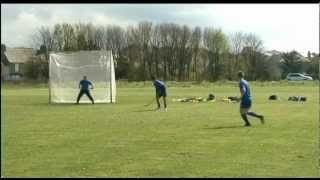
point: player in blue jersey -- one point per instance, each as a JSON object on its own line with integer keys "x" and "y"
{"x": 161, "y": 91}
{"x": 246, "y": 100}
{"x": 84, "y": 85}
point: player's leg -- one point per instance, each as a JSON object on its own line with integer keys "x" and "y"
{"x": 253, "y": 114}
{"x": 157, "y": 100}
{"x": 89, "y": 96}
{"x": 243, "y": 112}
{"x": 164, "y": 95}
{"x": 261, "y": 117}
{"x": 79, "y": 96}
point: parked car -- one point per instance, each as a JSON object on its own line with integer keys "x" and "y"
{"x": 298, "y": 77}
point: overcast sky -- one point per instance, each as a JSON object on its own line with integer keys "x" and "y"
{"x": 282, "y": 27}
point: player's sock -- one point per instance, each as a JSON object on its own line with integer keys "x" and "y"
{"x": 256, "y": 115}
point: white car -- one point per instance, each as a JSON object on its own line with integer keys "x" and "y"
{"x": 297, "y": 77}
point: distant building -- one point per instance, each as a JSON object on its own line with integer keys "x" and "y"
{"x": 17, "y": 58}
{"x": 301, "y": 58}
{"x": 272, "y": 53}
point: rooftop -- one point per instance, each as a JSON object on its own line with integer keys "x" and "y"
{"x": 19, "y": 55}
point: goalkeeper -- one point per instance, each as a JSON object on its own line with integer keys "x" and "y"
{"x": 84, "y": 89}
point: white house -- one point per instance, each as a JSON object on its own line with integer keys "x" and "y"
{"x": 17, "y": 58}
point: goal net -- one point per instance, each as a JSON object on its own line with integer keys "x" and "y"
{"x": 66, "y": 70}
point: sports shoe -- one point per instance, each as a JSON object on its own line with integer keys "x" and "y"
{"x": 247, "y": 125}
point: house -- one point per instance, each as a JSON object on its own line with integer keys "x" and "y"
{"x": 272, "y": 53}
{"x": 17, "y": 57}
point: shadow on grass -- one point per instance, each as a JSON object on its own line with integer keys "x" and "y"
{"x": 224, "y": 127}
{"x": 68, "y": 104}
{"x": 144, "y": 110}
{"x": 81, "y": 104}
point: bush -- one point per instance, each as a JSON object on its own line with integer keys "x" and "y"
{"x": 37, "y": 69}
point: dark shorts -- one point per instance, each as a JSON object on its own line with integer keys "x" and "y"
{"x": 84, "y": 91}
{"x": 161, "y": 92}
{"x": 246, "y": 104}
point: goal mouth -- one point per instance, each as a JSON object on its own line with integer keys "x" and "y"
{"x": 66, "y": 70}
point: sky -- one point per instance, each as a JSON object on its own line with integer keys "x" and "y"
{"x": 282, "y": 27}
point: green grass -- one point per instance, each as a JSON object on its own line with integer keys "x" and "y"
{"x": 127, "y": 139}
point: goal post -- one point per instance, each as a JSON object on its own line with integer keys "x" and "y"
{"x": 66, "y": 70}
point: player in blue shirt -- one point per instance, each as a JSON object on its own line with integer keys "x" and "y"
{"x": 160, "y": 92}
{"x": 246, "y": 100}
{"x": 84, "y": 89}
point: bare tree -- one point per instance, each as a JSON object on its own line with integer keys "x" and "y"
{"x": 155, "y": 48}
{"x": 90, "y": 37}
{"x": 142, "y": 36}
{"x": 115, "y": 40}
{"x": 195, "y": 45}
{"x": 44, "y": 38}
{"x": 80, "y": 33}
{"x": 164, "y": 45}
{"x": 237, "y": 44}
{"x": 168, "y": 50}
{"x": 184, "y": 59}
{"x": 68, "y": 37}
{"x": 58, "y": 38}
{"x": 253, "y": 46}
{"x": 216, "y": 43}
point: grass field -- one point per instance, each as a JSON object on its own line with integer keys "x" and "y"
{"x": 127, "y": 139}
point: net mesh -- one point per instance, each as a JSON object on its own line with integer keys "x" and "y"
{"x": 67, "y": 69}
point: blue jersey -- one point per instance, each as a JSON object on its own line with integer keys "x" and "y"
{"x": 159, "y": 85}
{"x": 244, "y": 86}
{"x": 85, "y": 84}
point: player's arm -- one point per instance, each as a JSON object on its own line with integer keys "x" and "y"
{"x": 242, "y": 90}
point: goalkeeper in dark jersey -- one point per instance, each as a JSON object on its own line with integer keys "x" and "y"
{"x": 84, "y": 89}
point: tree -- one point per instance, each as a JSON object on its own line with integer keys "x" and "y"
{"x": 99, "y": 38}
{"x": 251, "y": 50}
{"x": 184, "y": 58}
{"x": 81, "y": 37}
{"x": 138, "y": 39}
{"x": 195, "y": 44}
{"x": 37, "y": 68}
{"x": 268, "y": 67}
{"x": 173, "y": 52}
{"x": 91, "y": 37}
{"x": 216, "y": 44}
{"x": 237, "y": 44}
{"x": 291, "y": 63}
{"x": 45, "y": 39}
{"x": 58, "y": 38}
{"x": 69, "y": 39}
{"x": 155, "y": 48}
{"x": 314, "y": 66}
